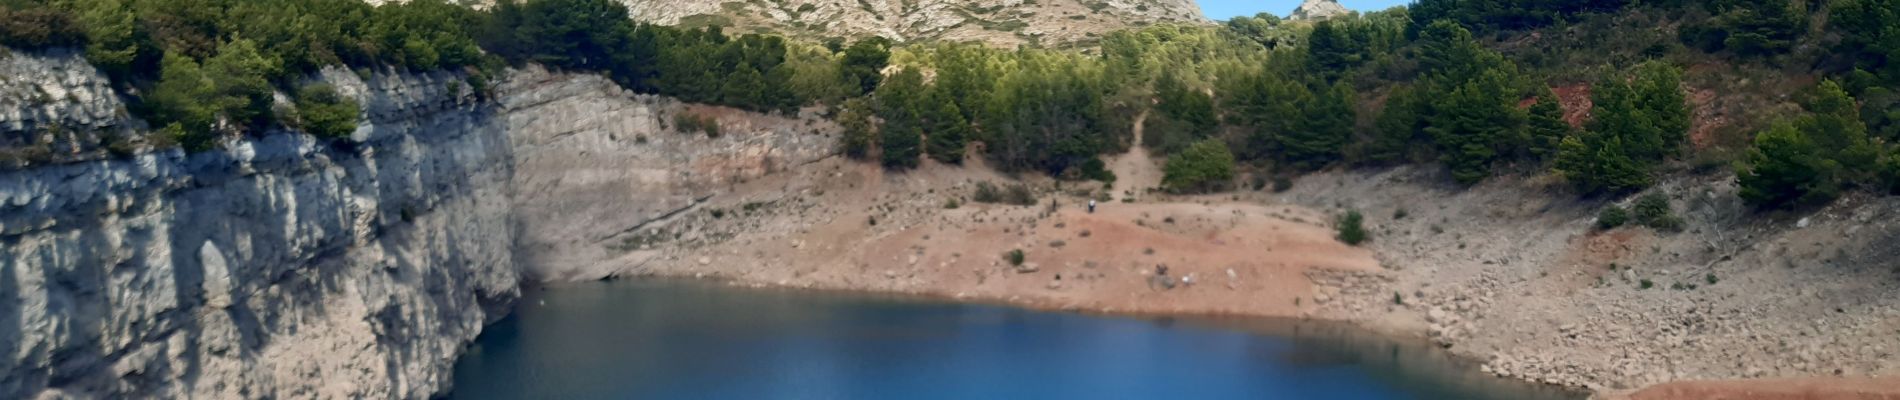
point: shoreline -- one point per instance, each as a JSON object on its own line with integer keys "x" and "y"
{"x": 1505, "y": 276}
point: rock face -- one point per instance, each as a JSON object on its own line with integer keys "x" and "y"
{"x": 1318, "y": 9}
{"x": 286, "y": 267}
{"x": 54, "y": 106}
{"x": 594, "y": 162}
{"x": 1002, "y": 22}
{"x": 277, "y": 267}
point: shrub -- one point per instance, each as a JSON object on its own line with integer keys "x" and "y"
{"x": 987, "y": 193}
{"x": 1019, "y": 195}
{"x": 1646, "y": 284}
{"x": 37, "y": 27}
{"x": 1282, "y": 184}
{"x": 1652, "y": 210}
{"x": 1352, "y": 230}
{"x": 1612, "y": 217}
{"x": 325, "y": 113}
{"x": 951, "y": 204}
{"x": 1015, "y": 257}
{"x": 1013, "y": 194}
{"x": 1203, "y": 166}
{"x": 1095, "y": 170}
{"x": 687, "y": 123}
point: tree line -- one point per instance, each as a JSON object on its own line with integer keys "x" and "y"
{"x": 1416, "y": 84}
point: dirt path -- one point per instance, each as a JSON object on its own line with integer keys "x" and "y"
{"x": 1136, "y": 172}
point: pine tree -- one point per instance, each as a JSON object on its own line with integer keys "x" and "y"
{"x": 111, "y": 44}
{"x": 744, "y": 88}
{"x": 898, "y": 98}
{"x": 1546, "y": 126}
{"x": 1396, "y": 131}
{"x": 948, "y": 130}
{"x": 1477, "y": 125}
{"x": 1321, "y": 133}
{"x": 859, "y": 136}
{"x": 1617, "y": 113}
{"x": 901, "y": 146}
{"x": 1785, "y": 168}
{"x": 1599, "y": 164}
{"x": 864, "y": 62}
{"x": 1659, "y": 95}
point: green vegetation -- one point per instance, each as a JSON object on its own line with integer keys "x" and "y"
{"x": 1653, "y": 211}
{"x": 1612, "y": 217}
{"x": 1810, "y": 160}
{"x": 1015, "y": 257}
{"x": 690, "y": 123}
{"x": 1204, "y": 166}
{"x": 1463, "y": 84}
{"x": 325, "y": 113}
{"x": 1013, "y": 194}
{"x": 1352, "y": 230}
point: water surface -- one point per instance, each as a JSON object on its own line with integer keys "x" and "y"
{"x": 678, "y": 340}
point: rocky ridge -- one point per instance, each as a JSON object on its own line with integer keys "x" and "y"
{"x": 1001, "y": 22}
{"x": 1318, "y": 9}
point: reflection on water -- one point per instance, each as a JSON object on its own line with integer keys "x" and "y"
{"x": 674, "y": 340}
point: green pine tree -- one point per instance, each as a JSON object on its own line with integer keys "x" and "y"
{"x": 1477, "y": 125}
{"x": 859, "y": 135}
{"x": 1785, "y": 168}
{"x": 948, "y": 130}
{"x": 901, "y": 146}
{"x": 1599, "y": 164}
{"x": 1546, "y": 125}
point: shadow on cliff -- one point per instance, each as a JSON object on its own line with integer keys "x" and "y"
{"x": 10, "y": 330}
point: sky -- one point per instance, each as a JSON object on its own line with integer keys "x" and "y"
{"x": 1224, "y": 9}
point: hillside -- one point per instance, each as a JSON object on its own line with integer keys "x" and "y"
{"x": 1000, "y": 22}
{"x": 1604, "y": 195}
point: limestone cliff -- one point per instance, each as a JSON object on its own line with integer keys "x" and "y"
{"x": 994, "y": 21}
{"x": 1002, "y": 22}
{"x": 1318, "y": 9}
{"x": 282, "y": 266}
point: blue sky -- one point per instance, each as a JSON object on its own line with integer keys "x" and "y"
{"x": 1224, "y": 9}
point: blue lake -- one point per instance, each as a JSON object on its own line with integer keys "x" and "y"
{"x": 680, "y": 340}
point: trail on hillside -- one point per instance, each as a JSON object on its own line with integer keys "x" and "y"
{"x": 1135, "y": 171}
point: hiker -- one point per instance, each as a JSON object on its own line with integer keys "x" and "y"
{"x": 1091, "y": 206}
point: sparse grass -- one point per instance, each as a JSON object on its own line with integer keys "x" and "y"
{"x": 704, "y": 20}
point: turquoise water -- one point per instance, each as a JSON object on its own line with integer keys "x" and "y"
{"x": 674, "y": 340}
